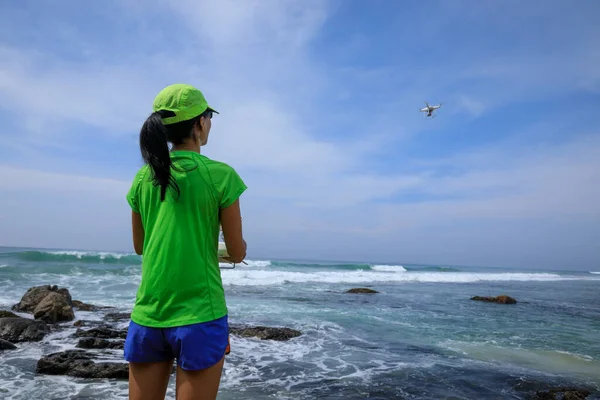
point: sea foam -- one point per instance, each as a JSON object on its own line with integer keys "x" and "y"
{"x": 388, "y": 268}
{"x": 276, "y": 277}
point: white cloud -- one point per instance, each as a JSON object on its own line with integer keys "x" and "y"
{"x": 22, "y": 179}
{"x": 43, "y": 90}
{"x": 471, "y": 105}
{"x": 281, "y": 24}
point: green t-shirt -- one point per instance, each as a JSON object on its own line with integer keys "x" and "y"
{"x": 181, "y": 280}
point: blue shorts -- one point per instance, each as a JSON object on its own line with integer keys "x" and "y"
{"x": 196, "y": 346}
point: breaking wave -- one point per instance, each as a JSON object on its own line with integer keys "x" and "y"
{"x": 276, "y": 277}
{"x": 388, "y": 268}
{"x": 76, "y": 256}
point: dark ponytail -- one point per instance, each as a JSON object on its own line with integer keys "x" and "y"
{"x": 155, "y": 152}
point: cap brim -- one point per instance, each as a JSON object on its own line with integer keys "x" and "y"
{"x": 212, "y": 109}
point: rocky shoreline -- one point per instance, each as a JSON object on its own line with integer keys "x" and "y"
{"x": 53, "y": 309}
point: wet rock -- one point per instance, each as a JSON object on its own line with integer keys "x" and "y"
{"x": 8, "y": 314}
{"x": 575, "y": 395}
{"x": 95, "y": 343}
{"x": 102, "y": 333}
{"x": 22, "y": 330}
{"x": 115, "y": 317}
{"x": 54, "y": 308}
{"x": 265, "y": 333}
{"x": 65, "y": 293}
{"x": 81, "y": 306}
{"x": 89, "y": 323}
{"x": 562, "y": 394}
{"x": 362, "y": 291}
{"x": 35, "y": 295}
{"x": 78, "y": 363}
{"x": 499, "y": 299}
{"x": 6, "y": 345}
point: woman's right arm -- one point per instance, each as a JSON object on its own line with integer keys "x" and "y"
{"x": 231, "y": 223}
{"x": 138, "y": 233}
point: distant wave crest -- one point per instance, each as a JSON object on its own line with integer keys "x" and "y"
{"x": 78, "y": 256}
{"x": 299, "y": 264}
{"x": 250, "y": 264}
{"x": 262, "y": 277}
{"x": 388, "y": 268}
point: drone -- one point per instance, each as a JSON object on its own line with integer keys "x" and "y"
{"x": 430, "y": 109}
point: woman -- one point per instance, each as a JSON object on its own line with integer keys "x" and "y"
{"x": 178, "y": 200}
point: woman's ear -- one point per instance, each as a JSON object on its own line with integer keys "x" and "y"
{"x": 198, "y": 130}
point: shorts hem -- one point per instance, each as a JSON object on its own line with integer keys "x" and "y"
{"x": 201, "y": 366}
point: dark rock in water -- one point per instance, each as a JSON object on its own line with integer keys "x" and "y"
{"x": 362, "y": 291}
{"x": 54, "y": 308}
{"x": 8, "y": 314}
{"x": 114, "y": 317}
{"x": 22, "y": 330}
{"x": 6, "y": 345}
{"x": 64, "y": 292}
{"x": 81, "y": 306}
{"x": 562, "y": 394}
{"x": 95, "y": 343}
{"x": 35, "y": 295}
{"x": 78, "y": 363}
{"x": 88, "y": 323}
{"x": 499, "y": 299}
{"x": 265, "y": 333}
{"x": 102, "y": 333}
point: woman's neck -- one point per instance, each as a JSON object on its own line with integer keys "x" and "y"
{"x": 186, "y": 147}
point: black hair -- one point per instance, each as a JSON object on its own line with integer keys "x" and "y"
{"x": 154, "y": 138}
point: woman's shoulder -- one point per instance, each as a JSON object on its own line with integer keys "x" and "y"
{"x": 215, "y": 165}
{"x": 224, "y": 176}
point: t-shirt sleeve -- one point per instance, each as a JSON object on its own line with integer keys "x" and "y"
{"x": 132, "y": 195}
{"x": 229, "y": 185}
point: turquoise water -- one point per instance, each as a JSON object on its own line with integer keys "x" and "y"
{"x": 420, "y": 337}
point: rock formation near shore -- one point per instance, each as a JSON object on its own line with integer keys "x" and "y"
{"x": 80, "y": 364}
{"x": 95, "y": 343}
{"x": 265, "y": 333}
{"x": 101, "y": 332}
{"x": 362, "y": 291}
{"x": 562, "y": 394}
{"x": 50, "y": 304}
{"x": 18, "y": 329}
{"x": 54, "y": 308}
{"x": 118, "y": 316}
{"x": 36, "y": 294}
{"x": 8, "y": 314}
{"x": 498, "y": 300}
{"x": 6, "y": 345}
{"x": 81, "y": 306}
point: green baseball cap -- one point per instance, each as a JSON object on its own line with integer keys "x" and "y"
{"x": 184, "y": 100}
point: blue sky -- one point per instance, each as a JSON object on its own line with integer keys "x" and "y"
{"x": 318, "y": 103}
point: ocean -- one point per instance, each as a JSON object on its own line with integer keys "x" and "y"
{"x": 420, "y": 337}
